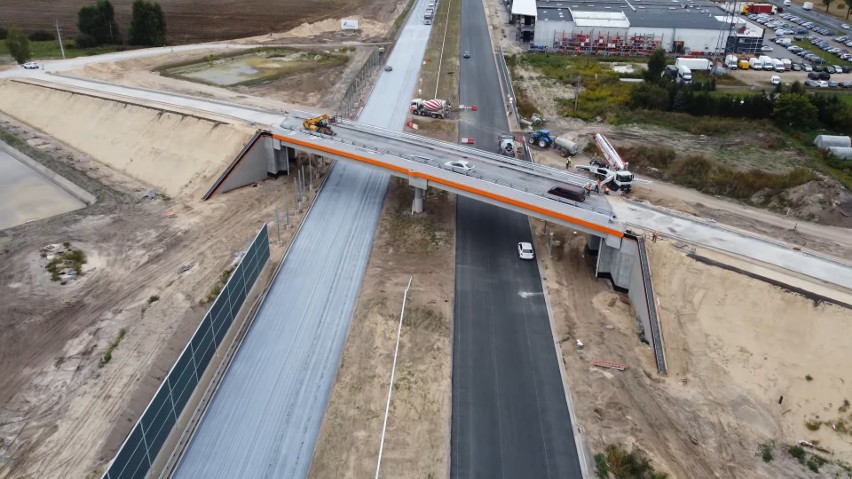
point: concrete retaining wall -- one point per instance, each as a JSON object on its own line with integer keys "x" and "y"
{"x": 55, "y": 178}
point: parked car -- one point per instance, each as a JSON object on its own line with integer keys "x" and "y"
{"x": 525, "y": 250}
{"x": 833, "y": 84}
{"x": 829, "y": 69}
{"x": 775, "y": 80}
{"x": 846, "y": 84}
{"x": 766, "y": 48}
{"x": 812, "y": 83}
{"x": 807, "y": 67}
{"x": 823, "y": 84}
{"x": 30, "y": 65}
{"x": 460, "y": 166}
{"x": 844, "y": 26}
{"x": 813, "y": 76}
{"x": 796, "y": 67}
{"x": 824, "y": 76}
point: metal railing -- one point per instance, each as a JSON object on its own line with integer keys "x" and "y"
{"x": 653, "y": 317}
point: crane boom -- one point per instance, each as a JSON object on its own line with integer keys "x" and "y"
{"x": 612, "y": 157}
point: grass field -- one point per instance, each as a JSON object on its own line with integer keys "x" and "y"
{"x": 191, "y": 21}
{"x": 50, "y": 49}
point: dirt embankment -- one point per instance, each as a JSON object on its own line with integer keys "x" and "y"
{"x": 417, "y": 440}
{"x": 734, "y": 346}
{"x": 167, "y": 150}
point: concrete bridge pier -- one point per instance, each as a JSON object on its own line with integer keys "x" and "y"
{"x": 417, "y": 207}
{"x": 617, "y": 264}
{"x": 278, "y": 157}
{"x": 419, "y": 185}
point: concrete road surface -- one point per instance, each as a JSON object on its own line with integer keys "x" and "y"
{"x": 264, "y": 420}
{"x": 732, "y": 240}
{"x": 510, "y": 418}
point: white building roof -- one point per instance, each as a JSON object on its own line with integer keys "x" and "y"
{"x": 600, "y": 19}
{"x": 524, "y": 7}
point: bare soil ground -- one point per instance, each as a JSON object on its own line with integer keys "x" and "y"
{"x": 734, "y": 345}
{"x": 322, "y": 88}
{"x": 417, "y": 440}
{"x": 192, "y": 21}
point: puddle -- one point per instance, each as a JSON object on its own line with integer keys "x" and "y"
{"x": 28, "y": 196}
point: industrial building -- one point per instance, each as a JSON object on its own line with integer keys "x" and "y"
{"x": 634, "y": 27}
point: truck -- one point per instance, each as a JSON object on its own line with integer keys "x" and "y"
{"x": 808, "y": 6}
{"x": 611, "y": 172}
{"x": 506, "y": 145}
{"x": 684, "y": 74}
{"x": 569, "y": 192}
{"x": 759, "y": 8}
{"x": 732, "y": 62}
{"x": 694, "y": 64}
{"x": 755, "y": 64}
{"x": 565, "y": 147}
{"x": 435, "y": 108}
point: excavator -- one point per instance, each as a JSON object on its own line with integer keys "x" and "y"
{"x": 320, "y": 124}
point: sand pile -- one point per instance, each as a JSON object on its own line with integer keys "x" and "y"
{"x": 823, "y": 201}
{"x": 367, "y": 28}
{"x": 168, "y": 151}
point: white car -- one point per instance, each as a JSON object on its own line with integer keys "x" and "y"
{"x": 766, "y": 48}
{"x": 460, "y": 166}
{"x": 807, "y": 67}
{"x": 775, "y": 80}
{"x": 525, "y": 251}
{"x": 844, "y": 26}
{"x": 823, "y": 84}
{"x": 30, "y": 65}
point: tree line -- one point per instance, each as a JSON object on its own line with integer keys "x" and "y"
{"x": 790, "y": 107}
{"x": 97, "y": 26}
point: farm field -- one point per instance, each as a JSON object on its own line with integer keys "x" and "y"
{"x": 192, "y": 21}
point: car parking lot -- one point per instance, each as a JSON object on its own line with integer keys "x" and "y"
{"x": 812, "y": 53}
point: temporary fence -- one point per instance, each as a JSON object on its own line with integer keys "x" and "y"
{"x": 133, "y": 460}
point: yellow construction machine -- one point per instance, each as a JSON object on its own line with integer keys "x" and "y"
{"x": 320, "y": 124}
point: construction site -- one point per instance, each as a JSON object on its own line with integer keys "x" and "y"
{"x": 113, "y": 260}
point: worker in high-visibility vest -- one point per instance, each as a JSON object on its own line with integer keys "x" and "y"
{"x": 568, "y": 163}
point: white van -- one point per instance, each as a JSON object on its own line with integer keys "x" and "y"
{"x": 775, "y": 80}
{"x": 787, "y": 3}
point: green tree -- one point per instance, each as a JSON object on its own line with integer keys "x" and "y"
{"x": 649, "y": 96}
{"x": 2, "y": 33}
{"x": 796, "y": 86}
{"x": 656, "y": 65}
{"x": 148, "y": 25}
{"x": 98, "y": 21}
{"x": 18, "y": 45}
{"x": 848, "y": 7}
{"x": 827, "y": 4}
{"x": 795, "y": 110}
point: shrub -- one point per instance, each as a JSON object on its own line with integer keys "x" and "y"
{"x": 815, "y": 462}
{"x": 798, "y": 452}
{"x": 766, "y": 452}
{"x": 41, "y": 36}
{"x": 601, "y": 467}
{"x": 84, "y": 40}
{"x": 813, "y": 425}
{"x": 809, "y": 378}
{"x": 2, "y": 33}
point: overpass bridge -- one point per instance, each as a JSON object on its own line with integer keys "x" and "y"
{"x": 500, "y": 180}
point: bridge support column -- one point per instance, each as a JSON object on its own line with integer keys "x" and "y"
{"x": 417, "y": 206}
{"x": 594, "y": 243}
{"x": 617, "y": 263}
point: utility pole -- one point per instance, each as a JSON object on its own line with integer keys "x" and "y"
{"x": 577, "y": 93}
{"x": 59, "y": 36}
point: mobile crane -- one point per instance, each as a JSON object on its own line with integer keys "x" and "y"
{"x": 612, "y": 173}
{"x": 320, "y": 124}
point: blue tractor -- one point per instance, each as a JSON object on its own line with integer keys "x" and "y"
{"x": 540, "y": 138}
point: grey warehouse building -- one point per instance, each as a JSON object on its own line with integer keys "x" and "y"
{"x": 626, "y": 27}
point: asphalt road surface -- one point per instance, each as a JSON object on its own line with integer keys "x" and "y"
{"x": 264, "y": 420}
{"x": 510, "y": 418}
